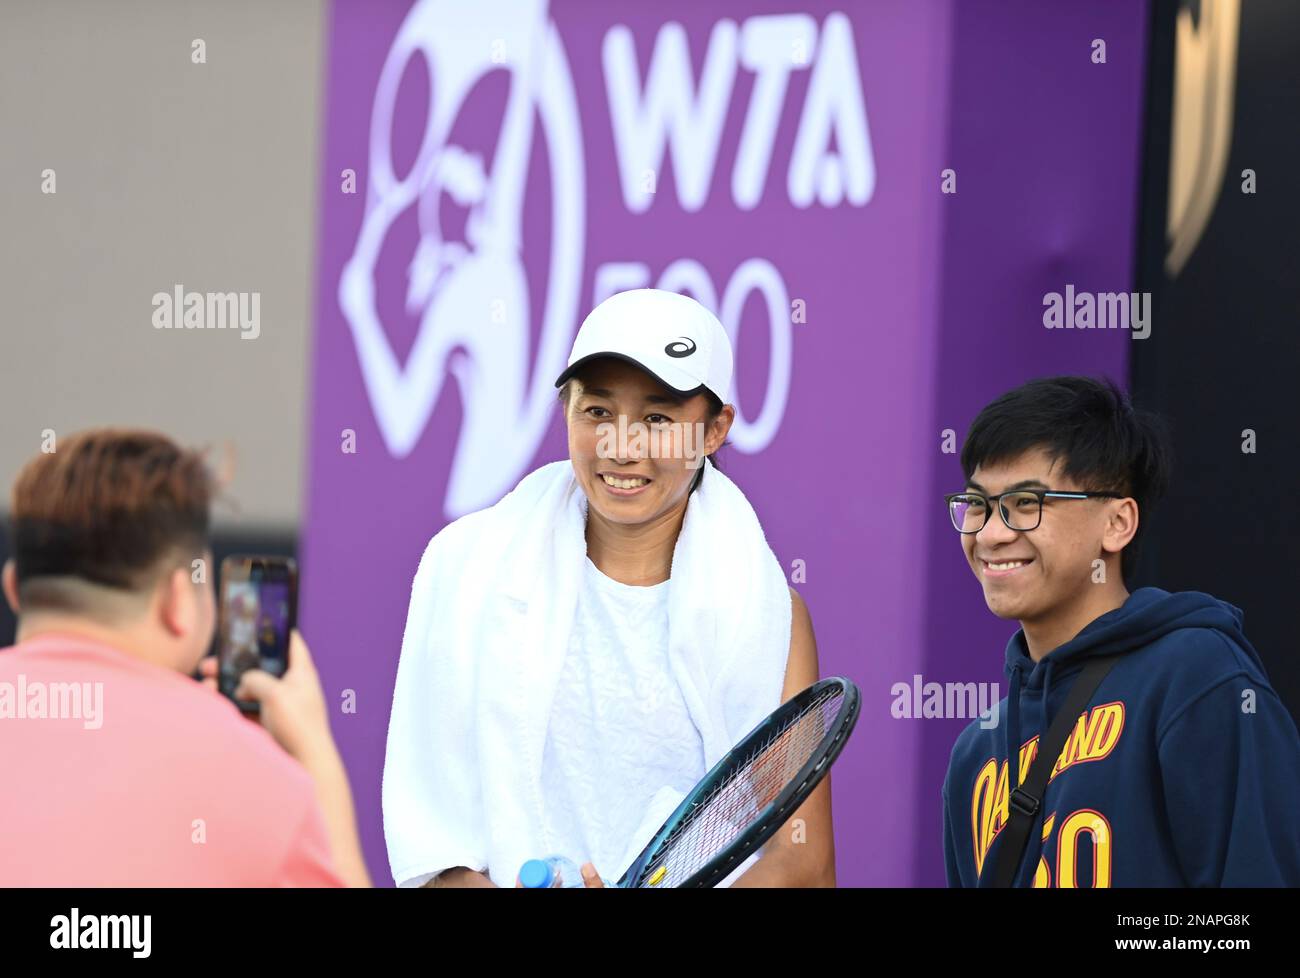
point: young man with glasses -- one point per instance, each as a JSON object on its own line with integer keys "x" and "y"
{"x": 1183, "y": 767}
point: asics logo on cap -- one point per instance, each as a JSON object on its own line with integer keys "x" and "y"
{"x": 680, "y": 349}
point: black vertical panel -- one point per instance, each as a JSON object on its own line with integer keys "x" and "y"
{"x": 1224, "y": 354}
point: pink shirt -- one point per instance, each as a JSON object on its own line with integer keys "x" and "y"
{"x": 117, "y": 772}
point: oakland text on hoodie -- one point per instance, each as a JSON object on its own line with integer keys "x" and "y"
{"x": 1183, "y": 770}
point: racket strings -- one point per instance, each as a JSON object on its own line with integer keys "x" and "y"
{"x": 739, "y": 799}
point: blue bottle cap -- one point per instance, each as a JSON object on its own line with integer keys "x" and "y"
{"x": 535, "y": 875}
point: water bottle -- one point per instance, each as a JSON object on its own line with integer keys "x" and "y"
{"x": 553, "y": 871}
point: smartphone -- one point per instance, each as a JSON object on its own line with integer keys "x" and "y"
{"x": 259, "y": 608}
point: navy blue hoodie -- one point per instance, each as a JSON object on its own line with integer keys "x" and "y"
{"x": 1183, "y": 770}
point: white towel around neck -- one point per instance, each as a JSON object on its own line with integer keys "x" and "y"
{"x": 492, "y": 606}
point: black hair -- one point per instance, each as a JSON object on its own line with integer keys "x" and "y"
{"x": 1091, "y": 426}
{"x": 715, "y": 408}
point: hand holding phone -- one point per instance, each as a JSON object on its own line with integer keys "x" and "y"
{"x": 292, "y": 707}
{"x": 292, "y": 710}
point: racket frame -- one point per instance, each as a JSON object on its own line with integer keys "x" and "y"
{"x": 775, "y": 813}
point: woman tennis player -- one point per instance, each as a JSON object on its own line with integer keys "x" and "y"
{"x": 579, "y": 655}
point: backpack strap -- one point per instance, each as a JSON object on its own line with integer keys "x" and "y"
{"x": 1027, "y": 798}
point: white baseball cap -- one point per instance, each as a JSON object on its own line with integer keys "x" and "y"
{"x": 670, "y": 336}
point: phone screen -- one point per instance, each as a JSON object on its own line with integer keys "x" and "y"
{"x": 258, "y": 610}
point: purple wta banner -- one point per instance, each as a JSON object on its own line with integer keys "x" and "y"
{"x": 493, "y": 170}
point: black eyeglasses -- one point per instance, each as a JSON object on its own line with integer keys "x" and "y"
{"x": 1021, "y": 509}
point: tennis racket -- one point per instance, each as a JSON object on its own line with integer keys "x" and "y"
{"x": 751, "y": 792}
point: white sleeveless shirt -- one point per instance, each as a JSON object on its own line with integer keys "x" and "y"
{"x": 619, "y": 728}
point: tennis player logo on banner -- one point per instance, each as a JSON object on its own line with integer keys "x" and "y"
{"x": 471, "y": 296}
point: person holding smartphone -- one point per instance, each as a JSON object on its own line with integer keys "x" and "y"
{"x": 119, "y": 769}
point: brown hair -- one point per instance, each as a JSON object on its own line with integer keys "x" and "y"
{"x": 715, "y": 408}
{"x": 109, "y": 506}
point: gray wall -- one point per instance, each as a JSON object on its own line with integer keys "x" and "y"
{"x": 167, "y": 172}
